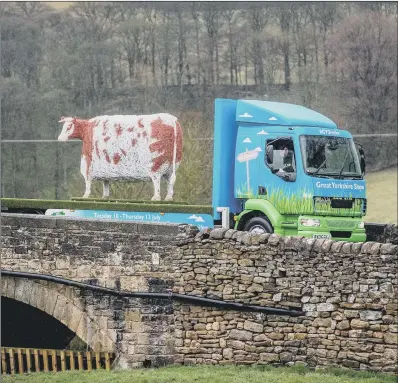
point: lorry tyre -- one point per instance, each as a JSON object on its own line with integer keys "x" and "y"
{"x": 258, "y": 225}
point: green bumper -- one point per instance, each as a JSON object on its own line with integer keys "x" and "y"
{"x": 334, "y": 227}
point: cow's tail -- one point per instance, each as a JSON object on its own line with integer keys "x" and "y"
{"x": 173, "y": 174}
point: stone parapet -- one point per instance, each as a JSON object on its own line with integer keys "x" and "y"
{"x": 346, "y": 290}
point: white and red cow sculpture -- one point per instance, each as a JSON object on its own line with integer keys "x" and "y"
{"x": 146, "y": 147}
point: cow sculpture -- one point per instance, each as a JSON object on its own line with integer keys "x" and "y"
{"x": 143, "y": 147}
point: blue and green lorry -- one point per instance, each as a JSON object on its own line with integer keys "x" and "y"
{"x": 277, "y": 168}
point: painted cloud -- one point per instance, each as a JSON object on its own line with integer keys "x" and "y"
{"x": 246, "y": 115}
{"x": 247, "y": 140}
{"x": 196, "y": 218}
{"x": 262, "y": 132}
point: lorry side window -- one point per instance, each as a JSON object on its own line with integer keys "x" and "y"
{"x": 280, "y": 155}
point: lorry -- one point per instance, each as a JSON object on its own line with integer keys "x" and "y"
{"x": 277, "y": 168}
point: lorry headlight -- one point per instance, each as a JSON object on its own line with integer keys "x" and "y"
{"x": 361, "y": 225}
{"x": 310, "y": 222}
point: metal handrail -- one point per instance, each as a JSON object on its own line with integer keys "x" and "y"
{"x": 166, "y": 295}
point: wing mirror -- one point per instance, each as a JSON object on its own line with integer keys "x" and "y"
{"x": 362, "y": 158}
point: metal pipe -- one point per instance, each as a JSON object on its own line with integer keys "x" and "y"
{"x": 169, "y": 295}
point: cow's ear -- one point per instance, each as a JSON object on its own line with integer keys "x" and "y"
{"x": 63, "y": 118}
{"x": 74, "y": 119}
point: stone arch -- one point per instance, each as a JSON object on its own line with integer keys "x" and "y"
{"x": 65, "y": 304}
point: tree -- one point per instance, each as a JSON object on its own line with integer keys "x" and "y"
{"x": 366, "y": 59}
{"x": 258, "y": 19}
{"x": 284, "y": 14}
{"x": 212, "y": 19}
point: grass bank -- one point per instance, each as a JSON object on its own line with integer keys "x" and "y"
{"x": 208, "y": 374}
{"x": 382, "y": 196}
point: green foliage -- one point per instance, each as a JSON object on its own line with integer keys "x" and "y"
{"x": 205, "y": 374}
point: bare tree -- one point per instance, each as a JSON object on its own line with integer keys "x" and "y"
{"x": 258, "y": 18}
{"x": 367, "y": 60}
{"x": 230, "y": 15}
{"x": 211, "y": 13}
{"x": 284, "y": 14}
{"x": 327, "y": 14}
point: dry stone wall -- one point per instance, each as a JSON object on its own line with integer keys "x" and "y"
{"x": 346, "y": 290}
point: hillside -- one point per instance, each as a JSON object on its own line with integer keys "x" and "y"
{"x": 382, "y": 196}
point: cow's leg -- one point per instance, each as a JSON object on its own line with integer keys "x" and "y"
{"x": 156, "y": 186}
{"x": 105, "y": 193}
{"x": 87, "y": 176}
{"x": 88, "y": 187}
{"x": 170, "y": 188}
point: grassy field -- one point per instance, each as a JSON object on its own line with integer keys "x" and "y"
{"x": 208, "y": 374}
{"x": 382, "y": 196}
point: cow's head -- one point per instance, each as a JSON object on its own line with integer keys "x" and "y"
{"x": 68, "y": 129}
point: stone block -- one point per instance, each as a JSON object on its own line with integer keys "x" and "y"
{"x": 367, "y": 315}
{"x": 133, "y": 283}
{"x": 326, "y": 306}
{"x": 240, "y": 335}
{"x": 276, "y": 335}
{"x": 253, "y": 326}
{"x": 343, "y": 325}
{"x": 236, "y": 344}
{"x": 255, "y": 288}
{"x": 245, "y": 262}
{"x": 269, "y": 357}
{"x": 359, "y": 324}
{"x": 391, "y": 338}
{"x": 132, "y": 316}
{"x": 322, "y": 322}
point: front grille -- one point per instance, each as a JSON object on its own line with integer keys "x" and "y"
{"x": 342, "y": 203}
{"x": 340, "y": 234}
{"x": 339, "y": 223}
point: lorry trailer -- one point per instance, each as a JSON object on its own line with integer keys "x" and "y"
{"x": 277, "y": 168}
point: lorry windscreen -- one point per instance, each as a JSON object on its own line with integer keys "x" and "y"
{"x": 330, "y": 156}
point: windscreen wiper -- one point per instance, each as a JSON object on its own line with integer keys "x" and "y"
{"x": 317, "y": 170}
{"x": 345, "y": 159}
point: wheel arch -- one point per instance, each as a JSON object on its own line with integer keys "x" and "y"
{"x": 248, "y": 215}
{"x": 259, "y": 208}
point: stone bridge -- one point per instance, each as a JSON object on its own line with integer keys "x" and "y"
{"x": 345, "y": 290}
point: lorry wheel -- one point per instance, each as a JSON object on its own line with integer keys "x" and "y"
{"x": 258, "y": 225}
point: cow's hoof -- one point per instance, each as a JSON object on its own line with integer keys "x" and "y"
{"x": 168, "y": 198}
{"x": 155, "y": 198}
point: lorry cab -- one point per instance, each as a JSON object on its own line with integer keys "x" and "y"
{"x": 286, "y": 169}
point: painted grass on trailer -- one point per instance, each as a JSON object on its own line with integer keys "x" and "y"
{"x": 207, "y": 374}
